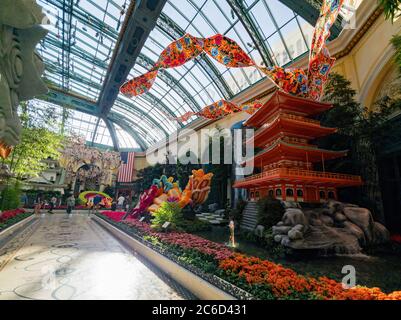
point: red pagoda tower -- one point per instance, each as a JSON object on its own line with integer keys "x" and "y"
{"x": 285, "y": 130}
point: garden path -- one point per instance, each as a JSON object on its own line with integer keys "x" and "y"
{"x": 60, "y": 257}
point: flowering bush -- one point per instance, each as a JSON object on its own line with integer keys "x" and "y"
{"x": 183, "y": 240}
{"x": 114, "y": 215}
{"x": 9, "y": 214}
{"x": 10, "y": 217}
{"x": 262, "y": 278}
{"x": 168, "y": 212}
{"x": 285, "y": 283}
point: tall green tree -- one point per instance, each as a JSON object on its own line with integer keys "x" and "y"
{"x": 362, "y": 132}
{"x": 40, "y": 139}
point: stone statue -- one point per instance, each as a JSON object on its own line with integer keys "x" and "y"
{"x": 20, "y": 66}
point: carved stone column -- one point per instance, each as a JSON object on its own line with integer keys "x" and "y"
{"x": 20, "y": 66}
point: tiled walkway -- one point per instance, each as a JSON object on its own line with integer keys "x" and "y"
{"x": 58, "y": 257}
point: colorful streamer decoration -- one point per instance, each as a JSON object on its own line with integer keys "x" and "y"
{"x": 218, "y": 110}
{"x": 226, "y": 51}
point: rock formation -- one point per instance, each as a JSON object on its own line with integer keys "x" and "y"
{"x": 335, "y": 227}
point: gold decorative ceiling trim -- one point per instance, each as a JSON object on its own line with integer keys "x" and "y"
{"x": 360, "y": 34}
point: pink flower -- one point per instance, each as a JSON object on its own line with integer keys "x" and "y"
{"x": 114, "y": 215}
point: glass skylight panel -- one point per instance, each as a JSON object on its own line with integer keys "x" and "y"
{"x": 89, "y": 46}
{"x": 125, "y": 141}
{"x": 281, "y": 13}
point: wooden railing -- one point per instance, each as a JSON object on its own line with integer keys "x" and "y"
{"x": 302, "y": 173}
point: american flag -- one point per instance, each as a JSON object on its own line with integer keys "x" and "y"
{"x": 125, "y": 173}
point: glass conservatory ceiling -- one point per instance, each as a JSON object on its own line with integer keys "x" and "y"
{"x": 79, "y": 47}
{"x": 73, "y": 122}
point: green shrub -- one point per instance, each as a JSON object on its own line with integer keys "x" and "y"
{"x": 237, "y": 212}
{"x": 270, "y": 212}
{"x": 11, "y": 197}
{"x": 193, "y": 226}
{"x": 168, "y": 212}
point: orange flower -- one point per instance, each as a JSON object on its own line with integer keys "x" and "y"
{"x": 284, "y": 282}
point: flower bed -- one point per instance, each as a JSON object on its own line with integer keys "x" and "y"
{"x": 10, "y": 217}
{"x": 257, "y": 278}
{"x": 114, "y": 215}
{"x": 64, "y": 207}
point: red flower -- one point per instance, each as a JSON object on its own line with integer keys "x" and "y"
{"x": 9, "y": 214}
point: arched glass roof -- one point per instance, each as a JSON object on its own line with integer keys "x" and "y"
{"x": 78, "y": 52}
{"x": 73, "y": 122}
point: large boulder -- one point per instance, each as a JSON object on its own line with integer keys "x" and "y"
{"x": 295, "y": 234}
{"x": 335, "y": 227}
{"x": 281, "y": 229}
{"x": 339, "y": 217}
{"x": 356, "y": 231}
{"x": 327, "y": 220}
{"x": 362, "y": 218}
{"x": 380, "y": 234}
{"x": 292, "y": 217}
{"x": 333, "y": 206}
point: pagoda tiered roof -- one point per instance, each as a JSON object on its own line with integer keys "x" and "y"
{"x": 281, "y": 150}
{"x": 290, "y": 125}
{"x": 284, "y": 102}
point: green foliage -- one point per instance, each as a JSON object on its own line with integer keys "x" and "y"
{"x": 11, "y": 196}
{"x": 270, "y": 212}
{"x": 193, "y": 226}
{"x": 39, "y": 141}
{"x": 391, "y": 7}
{"x": 14, "y": 220}
{"x": 237, "y": 212}
{"x": 110, "y": 191}
{"x": 36, "y": 145}
{"x": 168, "y": 212}
{"x": 363, "y": 131}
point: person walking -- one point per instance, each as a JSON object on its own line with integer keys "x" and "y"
{"x": 53, "y": 203}
{"x": 126, "y": 204}
{"x": 37, "y": 207}
{"x": 38, "y": 204}
{"x": 120, "y": 202}
{"x": 70, "y": 204}
{"x": 96, "y": 202}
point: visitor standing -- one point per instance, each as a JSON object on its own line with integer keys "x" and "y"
{"x": 37, "y": 207}
{"x": 96, "y": 202}
{"x": 120, "y": 202}
{"x": 90, "y": 205}
{"x": 53, "y": 203}
{"x": 127, "y": 204}
{"x": 38, "y": 204}
{"x": 114, "y": 205}
{"x": 70, "y": 203}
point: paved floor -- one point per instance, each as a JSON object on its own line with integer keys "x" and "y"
{"x": 63, "y": 258}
